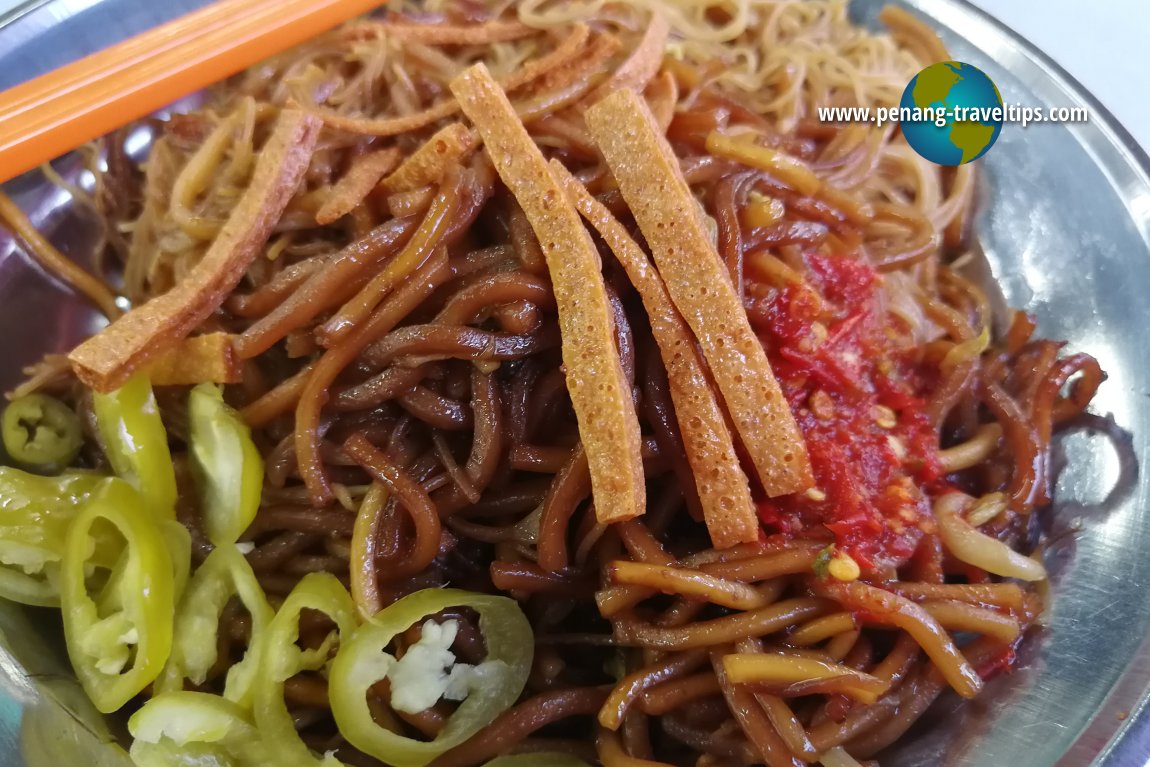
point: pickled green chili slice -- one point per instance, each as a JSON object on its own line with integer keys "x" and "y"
{"x": 41, "y": 431}
{"x": 190, "y": 729}
{"x": 281, "y": 659}
{"x": 136, "y": 443}
{"x": 179, "y": 543}
{"x": 228, "y": 468}
{"x": 119, "y": 639}
{"x": 491, "y": 687}
{"x": 35, "y": 513}
{"x": 111, "y": 558}
{"x": 224, "y": 574}
{"x": 40, "y": 590}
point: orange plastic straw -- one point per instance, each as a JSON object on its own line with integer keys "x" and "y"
{"x": 46, "y": 117}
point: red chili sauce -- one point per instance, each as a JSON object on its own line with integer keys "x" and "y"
{"x": 848, "y": 370}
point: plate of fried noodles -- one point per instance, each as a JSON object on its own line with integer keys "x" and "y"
{"x": 542, "y": 384}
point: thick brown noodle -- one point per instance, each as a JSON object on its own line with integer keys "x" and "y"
{"x": 413, "y": 343}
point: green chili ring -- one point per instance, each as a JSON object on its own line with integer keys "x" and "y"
{"x": 41, "y": 431}
{"x": 136, "y": 443}
{"x": 224, "y": 574}
{"x": 185, "y": 728}
{"x": 510, "y": 650}
{"x": 227, "y": 465}
{"x": 144, "y": 597}
{"x": 281, "y": 659}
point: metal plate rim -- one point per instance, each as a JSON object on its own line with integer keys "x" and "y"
{"x": 1118, "y": 733}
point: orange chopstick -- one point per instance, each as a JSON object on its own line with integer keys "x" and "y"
{"x": 54, "y": 113}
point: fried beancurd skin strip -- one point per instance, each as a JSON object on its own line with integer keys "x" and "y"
{"x": 566, "y": 51}
{"x": 457, "y": 34}
{"x": 357, "y": 184}
{"x": 643, "y": 63}
{"x": 210, "y": 358}
{"x": 567, "y": 85}
{"x": 54, "y": 261}
{"x": 608, "y": 424}
{"x": 386, "y": 126}
{"x": 662, "y": 95}
{"x": 887, "y": 608}
{"x": 653, "y": 186}
{"x": 107, "y": 359}
{"x": 429, "y": 163}
{"x": 723, "y": 489}
{"x": 571, "y": 47}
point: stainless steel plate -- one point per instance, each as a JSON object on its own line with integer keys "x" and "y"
{"x": 1065, "y": 223}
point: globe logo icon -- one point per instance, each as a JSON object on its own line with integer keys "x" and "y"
{"x": 951, "y": 113}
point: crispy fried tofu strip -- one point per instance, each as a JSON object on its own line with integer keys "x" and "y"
{"x": 210, "y": 358}
{"x": 653, "y": 186}
{"x": 108, "y": 358}
{"x": 449, "y": 34}
{"x": 385, "y": 126}
{"x": 590, "y": 61}
{"x": 428, "y": 164}
{"x": 723, "y": 488}
{"x": 643, "y": 63}
{"x": 567, "y": 50}
{"x": 567, "y": 85}
{"x": 662, "y": 95}
{"x": 608, "y": 425}
{"x": 357, "y": 184}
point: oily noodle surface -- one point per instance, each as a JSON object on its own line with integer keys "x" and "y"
{"x": 414, "y": 336}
